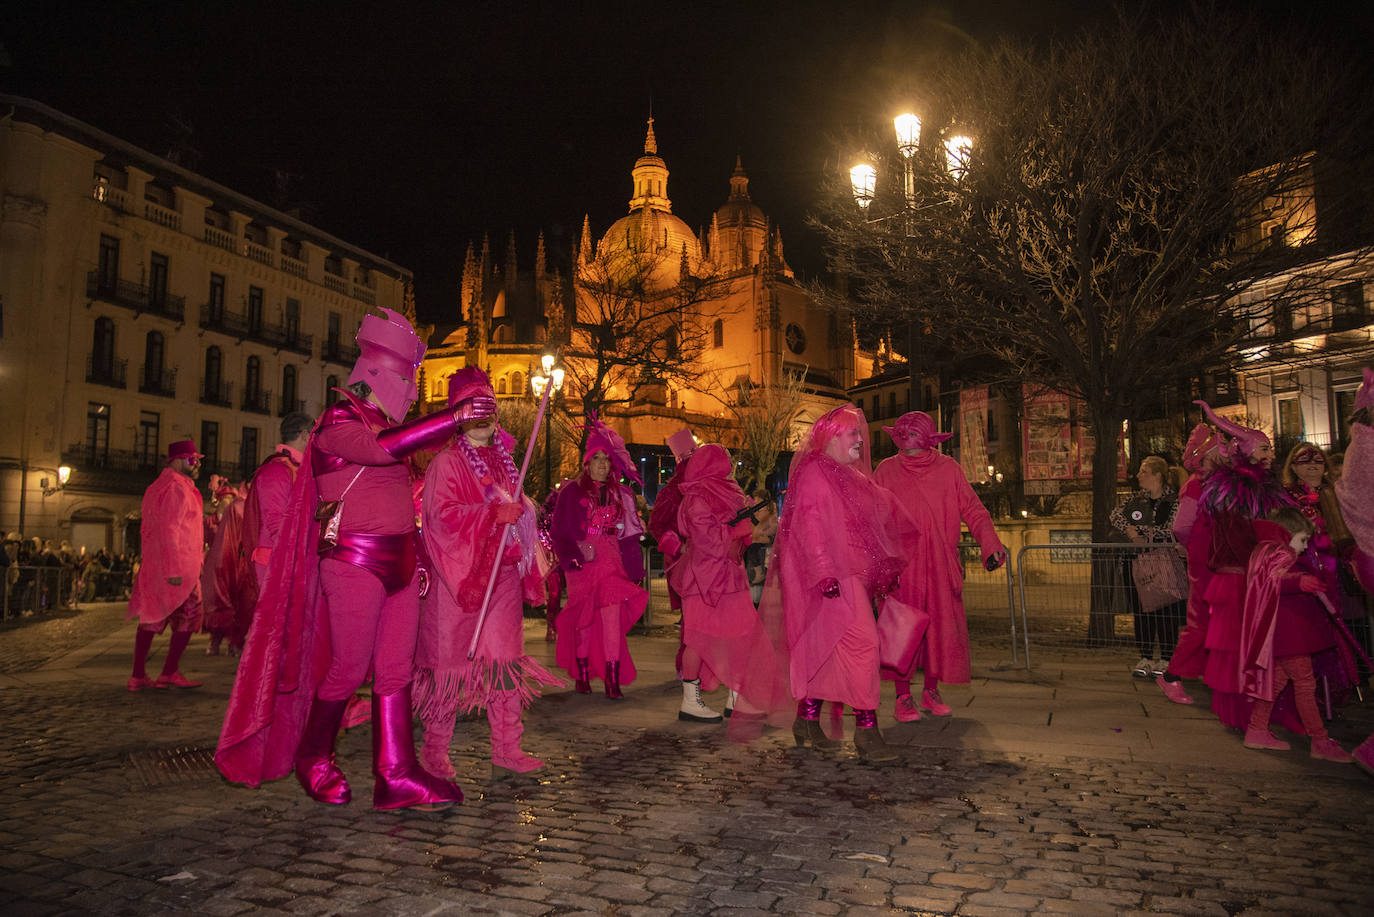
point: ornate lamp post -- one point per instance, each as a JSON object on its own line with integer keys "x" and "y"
{"x": 552, "y": 374}
{"x": 863, "y": 180}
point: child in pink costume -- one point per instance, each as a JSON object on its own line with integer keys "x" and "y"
{"x": 1283, "y": 626}
{"x": 342, "y": 595}
{"x": 1355, "y": 490}
{"x": 596, "y": 531}
{"x": 167, "y": 587}
{"x": 934, "y": 492}
{"x": 1200, "y": 456}
{"x": 720, "y": 626}
{"x": 469, "y": 499}
{"x": 836, "y": 553}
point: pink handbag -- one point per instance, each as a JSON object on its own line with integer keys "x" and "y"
{"x": 900, "y": 631}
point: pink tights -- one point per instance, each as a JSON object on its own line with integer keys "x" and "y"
{"x": 367, "y": 628}
{"x": 1297, "y": 669}
{"x": 608, "y": 621}
{"x": 143, "y": 644}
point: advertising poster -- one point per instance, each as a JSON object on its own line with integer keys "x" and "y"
{"x": 1047, "y": 438}
{"x": 973, "y": 430}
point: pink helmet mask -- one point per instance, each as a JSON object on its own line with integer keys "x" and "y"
{"x": 915, "y": 430}
{"x": 1244, "y": 440}
{"x": 1202, "y": 442}
{"x": 391, "y": 352}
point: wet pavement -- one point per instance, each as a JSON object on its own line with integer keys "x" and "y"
{"x": 1070, "y": 789}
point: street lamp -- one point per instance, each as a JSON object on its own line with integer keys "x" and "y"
{"x": 64, "y": 474}
{"x": 552, "y": 375}
{"x": 863, "y": 180}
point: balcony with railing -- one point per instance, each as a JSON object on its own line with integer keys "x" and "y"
{"x": 280, "y": 337}
{"x": 333, "y": 351}
{"x": 259, "y": 402}
{"x": 153, "y": 380}
{"x": 136, "y": 296}
{"x": 107, "y": 372}
{"x": 216, "y": 392}
{"x": 290, "y": 404}
{"x": 97, "y": 469}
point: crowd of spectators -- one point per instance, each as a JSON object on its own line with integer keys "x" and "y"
{"x": 41, "y": 575}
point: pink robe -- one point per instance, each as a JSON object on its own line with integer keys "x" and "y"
{"x": 719, "y": 620}
{"x": 222, "y": 581}
{"x": 173, "y": 530}
{"x": 934, "y": 492}
{"x": 460, "y": 537}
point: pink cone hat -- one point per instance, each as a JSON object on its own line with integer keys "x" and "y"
{"x": 682, "y": 443}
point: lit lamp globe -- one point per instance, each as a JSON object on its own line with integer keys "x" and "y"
{"x": 862, "y": 179}
{"x": 908, "y": 128}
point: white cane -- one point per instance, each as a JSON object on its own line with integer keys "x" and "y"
{"x": 505, "y": 529}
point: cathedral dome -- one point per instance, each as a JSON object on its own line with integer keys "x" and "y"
{"x": 739, "y": 210}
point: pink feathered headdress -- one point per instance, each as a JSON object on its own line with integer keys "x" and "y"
{"x": 1203, "y": 441}
{"x": 603, "y": 439}
{"x": 915, "y": 430}
{"x": 1244, "y": 440}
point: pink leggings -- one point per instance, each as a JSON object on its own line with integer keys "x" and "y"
{"x": 367, "y": 628}
{"x": 1297, "y": 669}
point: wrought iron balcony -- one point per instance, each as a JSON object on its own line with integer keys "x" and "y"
{"x": 243, "y": 327}
{"x": 154, "y": 380}
{"x": 136, "y": 296}
{"x": 97, "y": 469}
{"x": 333, "y": 351}
{"x": 216, "y": 392}
{"x": 258, "y": 402}
{"x": 106, "y": 372}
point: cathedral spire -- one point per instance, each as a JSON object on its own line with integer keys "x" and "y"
{"x": 650, "y": 178}
{"x": 651, "y": 142}
{"x": 739, "y": 181}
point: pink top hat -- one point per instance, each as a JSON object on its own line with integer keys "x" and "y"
{"x": 682, "y": 443}
{"x": 184, "y": 449}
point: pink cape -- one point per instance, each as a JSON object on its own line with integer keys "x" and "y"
{"x": 719, "y": 620}
{"x": 934, "y": 492}
{"x": 286, "y": 654}
{"x": 460, "y": 535}
{"x": 1269, "y": 562}
{"x": 173, "y": 530}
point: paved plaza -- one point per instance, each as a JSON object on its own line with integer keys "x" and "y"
{"x": 1068, "y": 789}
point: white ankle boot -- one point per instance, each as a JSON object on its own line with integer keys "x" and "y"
{"x": 692, "y": 709}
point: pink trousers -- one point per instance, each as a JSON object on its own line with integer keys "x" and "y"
{"x": 368, "y": 629}
{"x": 1297, "y": 669}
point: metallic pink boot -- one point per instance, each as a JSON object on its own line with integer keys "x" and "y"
{"x": 507, "y": 758}
{"x": 401, "y": 782}
{"x": 613, "y": 691}
{"x": 320, "y": 777}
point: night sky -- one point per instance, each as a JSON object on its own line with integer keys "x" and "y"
{"x": 413, "y": 129}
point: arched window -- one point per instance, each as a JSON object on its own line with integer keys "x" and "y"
{"x": 330, "y": 383}
{"x": 152, "y": 360}
{"x": 214, "y": 370}
{"x": 517, "y": 384}
{"x": 288, "y": 389}
{"x": 102, "y": 348}
{"x": 501, "y": 386}
{"x": 672, "y": 344}
{"x": 252, "y": 379}
{"x": 718, "y": 334}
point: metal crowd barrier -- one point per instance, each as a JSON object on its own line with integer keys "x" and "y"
{"x": 37, "y": 590}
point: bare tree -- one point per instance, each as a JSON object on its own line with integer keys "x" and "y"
{"x": 764, "y": 415}
{"x": 640, "y": 325}
{"x": 1139, "y": 200}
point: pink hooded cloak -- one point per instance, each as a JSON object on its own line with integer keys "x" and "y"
{"x": 719, "y": 620}
{"x": 173, "y": 546}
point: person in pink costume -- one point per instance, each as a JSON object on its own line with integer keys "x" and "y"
{"x": 221, "y": 578}
{"x": 469, "y": 499}
{"x": 720, "y": 626}
{"x": 167, "y": 586}
{"x": 554, "y": 580}
{"x": 837, "y": 551}
{"x": 934, "y": 492}
{"x": 269, "y": 491}
{"x": 596, "y": 531}
{"x": 1355, "y": 490}
{"x": 663, "y": 520}
{"x": 342, "y": 594}
{"x": 1200, "y": 457}
{"x": 1240, "y": 491}
{"x": 1283, "y": 625}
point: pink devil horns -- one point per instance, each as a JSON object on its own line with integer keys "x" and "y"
{"x": 1245, "y": 440}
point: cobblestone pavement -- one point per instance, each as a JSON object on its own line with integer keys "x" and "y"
{"x": 108, "y": 806}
